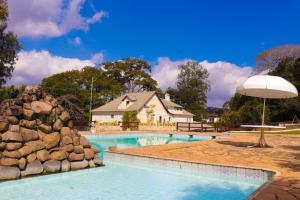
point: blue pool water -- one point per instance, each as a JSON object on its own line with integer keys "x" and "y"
{"x": 139, "y": 140}
{"x": 128, "y": 181}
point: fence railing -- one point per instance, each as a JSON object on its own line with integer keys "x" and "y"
{"x": 199, "y": 126}
{"x": 130, "y": 125}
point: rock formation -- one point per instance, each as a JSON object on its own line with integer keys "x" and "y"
{"x": 37, "y": 136}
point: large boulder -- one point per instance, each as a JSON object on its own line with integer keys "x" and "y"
{"x": 76, "y": 157}
{"x": 28, "y": 114}
{"x": 58, "y": 124}
{"x": 45, "y": 128}
{"x": 52, "y": 166}
{"x": 12, "y": 154}
{"x": 9, "y": 161}
{"x": 28, "y": 124}
{"x": 84, "y": 142}
{"x": 12, "y": 137}
{"x": 35, "y": 167}
{"x": 22, "y": 163}
{"x": 51, "y": 140}
{"x": 97, "y": 160}
{"x": 40, "y": 107}
{"x": 24, "y": 151}
{"x": 4, "y": 125}
{"x": 65, "y": 166}
{"x": 65, "y": 131}
{"x": 68, "y": 148}
{"x": 64, "y": 116}
{"x": 7, "y": 173}
{"x": 43, "y": 155}
{"x": 31, "y": 157}
{"x": 66, "y": 140}
{"x": 15, "y": 110}
{"x": 35, "y": 145}
{"x": 92, "y": 164}
{"x": 79, "y": 164}
{"x": 89, "y": 153}
{"x": 58, "y": 155}
{"x": 13, "y": 146}
{"x": 78, "y": 149}
{"x": 28, "y": 134}
{"x": 12, "y": 119}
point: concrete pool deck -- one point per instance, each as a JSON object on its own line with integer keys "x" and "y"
{"x": 283, "y": 158}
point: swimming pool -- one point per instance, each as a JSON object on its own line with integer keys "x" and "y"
{"x": 139, "y": 178}
{"x": 138, "y": 140}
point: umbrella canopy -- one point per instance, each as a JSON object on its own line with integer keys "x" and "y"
{"x": 266, "y": 86}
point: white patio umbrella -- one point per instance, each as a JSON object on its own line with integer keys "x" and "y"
{"x": 266, "y": 86}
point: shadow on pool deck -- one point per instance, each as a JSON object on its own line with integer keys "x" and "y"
{"x": 236, "y": 144}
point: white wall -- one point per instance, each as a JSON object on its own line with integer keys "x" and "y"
{"x": 182, "y": 119}
{"x": 106, "y": 117}
{"x": 158, "y": 109}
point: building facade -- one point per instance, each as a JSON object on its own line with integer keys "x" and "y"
{"x": 149, "y": 108}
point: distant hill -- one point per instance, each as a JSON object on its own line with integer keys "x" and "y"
{"x": 212, "y": 110}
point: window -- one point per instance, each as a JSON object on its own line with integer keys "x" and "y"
{"x": 127, "y": 102}
{"x": 112, "y": 116}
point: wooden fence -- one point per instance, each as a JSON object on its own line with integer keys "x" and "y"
{"x": 199, "y": 126}
{"x": 130, "y": 125}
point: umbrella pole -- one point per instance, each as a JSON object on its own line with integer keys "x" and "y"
{"x": 262, "y": 142}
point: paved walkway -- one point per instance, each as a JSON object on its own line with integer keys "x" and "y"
{"x": 283, "y": 158}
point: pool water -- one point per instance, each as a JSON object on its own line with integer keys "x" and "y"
{"x": 122, "y": 181}
{"x": 127, "y": 181}
{"x": 138, "y": 140}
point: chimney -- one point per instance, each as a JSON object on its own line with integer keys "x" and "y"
{"x": 167, "y": 97}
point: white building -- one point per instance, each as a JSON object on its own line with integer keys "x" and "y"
{"x": 149, "y": 106}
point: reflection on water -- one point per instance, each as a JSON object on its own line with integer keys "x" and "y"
{"x": 139, "y": 141}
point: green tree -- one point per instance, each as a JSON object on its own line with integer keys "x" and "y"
{"x": 250, "y": 108}
{"x": 130, "y": 116}
{"x": 9, "y": 46}
{"x": 192, "y": 86}
{"x": 10, "y": 92}
{"x": 133, "y": 75}
{"x": 286, "y": 109}
{"x": 74, "y": 88}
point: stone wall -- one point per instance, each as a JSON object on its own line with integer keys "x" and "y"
{"x": 37, "y": 137}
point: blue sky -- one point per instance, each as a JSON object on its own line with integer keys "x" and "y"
{"x": 221, "y": 34}
{"x": 233, "y": 31}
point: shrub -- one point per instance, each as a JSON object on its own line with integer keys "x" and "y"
{"x": 130, "y": 116}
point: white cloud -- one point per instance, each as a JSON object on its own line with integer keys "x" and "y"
{"x": 97, "y": 58}
{"x": 224, "y": 77}
{"x": 33, "y": 66}
{"x": 97, "y": 17}
{"x": 36, "y": 18}
{"x": 76, "y": 41}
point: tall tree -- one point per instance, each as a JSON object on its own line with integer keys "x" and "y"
{"x": 287, "y": 109}
{"x": 248, "y": 109}
{"x": 269, "y": 59}
{"x": 9, "y": 46}
{"x": 192, "y": 86}
{"x": 74, "y": 88}
{"x": 133, "y": 75}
